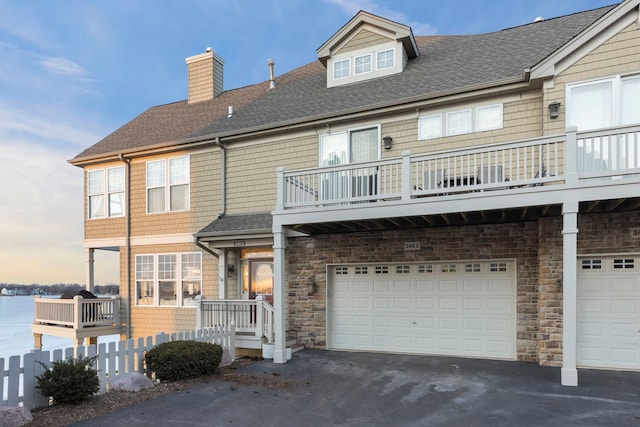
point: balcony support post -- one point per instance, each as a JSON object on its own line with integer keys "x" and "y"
{"x": 279, "y": 268}
{"x": 280, "y": 189}
{"x": 89, "y": 273}
{"x": 569, "y": 372}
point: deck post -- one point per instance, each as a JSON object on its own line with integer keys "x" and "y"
{"x": 90, "y": 277}
{"x": 571, "y": 158}
{"x": 279, "y": 245}
{"x": 406, "y": 175}
{"x": 259, "y": 315}
{"x": 569, "y": 373}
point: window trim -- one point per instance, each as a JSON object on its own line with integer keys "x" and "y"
{"x": 486, "y": 107}
{"x": 355, "y": 64}
{"x": 105, "y": 193}
{"x": 168, "y": 186}
{"x": 616, "y": 96}
{"x": 393, "y": 58}
{"x": 179, "y": 279}
{"x": 464, "y": 111}
{"x": 444, "y": 116}
{"x": 348, "y": 68}
{"x": 423, "y": 119}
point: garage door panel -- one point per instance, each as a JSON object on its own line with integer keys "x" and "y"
{"x": 623, "y": 306}
{"x": 425, "y": 286}
{"x": 448, "y": 304}
{"x": 443, "y": 309}
{"x": 470, "y": 286}
{"x": 448, "y": 286}
{"x": 471, "y": 304}
{"x": 425, "y": 303}
{"x": 500, "y": 286}
{"x": 608, "y": 310}
{"x": 623, "y": 330}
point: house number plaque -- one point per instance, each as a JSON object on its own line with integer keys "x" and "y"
{"x": 411, "y": 246}
{"x": 635, "y": 233}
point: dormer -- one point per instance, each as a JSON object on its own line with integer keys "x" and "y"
{"x": 367, "y": 47}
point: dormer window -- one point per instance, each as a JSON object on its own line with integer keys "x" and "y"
{"x": 341, "y": 69}
{"x": 367, "y": 47}
{"x": 362, "y": 64}
{"x": 385, "y": 59}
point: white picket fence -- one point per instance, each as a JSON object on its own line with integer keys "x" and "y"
{"x": 18, "y": 377}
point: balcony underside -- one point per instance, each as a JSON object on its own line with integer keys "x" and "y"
{"x": 73, "y": 333}
{"x": 472, "y": 217}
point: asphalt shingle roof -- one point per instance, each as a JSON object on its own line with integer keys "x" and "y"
{"x": 240, "y": 223}
{"x": 446, "y": 65}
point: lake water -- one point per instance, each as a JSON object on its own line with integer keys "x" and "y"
{"x": 16, "y": 338}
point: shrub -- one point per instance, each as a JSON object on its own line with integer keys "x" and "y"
{"x": 180, "y": 360}
{"x": 70, "y": 381}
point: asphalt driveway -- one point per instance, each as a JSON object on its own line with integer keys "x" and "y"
{"x": 329, "y": 388}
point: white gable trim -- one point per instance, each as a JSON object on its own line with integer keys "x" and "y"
{"x": 393, "y": 30}
{"x": 596, "y": 34}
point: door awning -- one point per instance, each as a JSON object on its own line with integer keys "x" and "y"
{"x": 253, "y": 229}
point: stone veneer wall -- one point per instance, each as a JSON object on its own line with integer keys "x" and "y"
{"x": 308, "y": 257}
{"x": 549, "y": 347}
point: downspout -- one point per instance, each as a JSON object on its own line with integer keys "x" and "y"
{"x": 223, "y": 177}
{"x": 127, "y": 203}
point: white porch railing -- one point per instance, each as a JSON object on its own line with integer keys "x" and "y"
{"x": 249, "y": 316}
{"x": 78, "y": 312}
{"x": 561, "y": 159}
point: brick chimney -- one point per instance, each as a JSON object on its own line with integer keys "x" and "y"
{"x": 204, "y": 76}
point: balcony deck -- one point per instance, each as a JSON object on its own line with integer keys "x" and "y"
{"x": 506, "y": 177}
{"x": 76, "y": 318}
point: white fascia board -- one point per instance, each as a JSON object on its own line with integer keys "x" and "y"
{"x": 604, "y": 28}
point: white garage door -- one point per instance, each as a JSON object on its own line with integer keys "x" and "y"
{"x": 608, "y": 310}
{"x": 456, "y": 309}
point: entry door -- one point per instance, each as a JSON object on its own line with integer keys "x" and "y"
{"x": 354, "y": 146}
{"x": 261, "y": 279}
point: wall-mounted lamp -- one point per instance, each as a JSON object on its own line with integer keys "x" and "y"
{"x": 312, "y": 286}
{"x": 554, "y": 110}
{"x": 231, "y": 268}
{"x": 387, "y": 140}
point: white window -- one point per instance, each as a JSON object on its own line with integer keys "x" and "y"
{"x": 458, "y": 122}
{"x": 362, "y": 64}
{"x": 489, "y": 117}
{"x": 171, "y": 280}
{"x": 168, "y": 192}
{"x": 385, "y": 59}
{"x": 106, "y": 196}
{"x": 430, "y": 127}
{"x": 341, "y": 69}
{"x": 604, "y": 103}
{"x": 630, "y": 100}
{"x": 145, "y": 279}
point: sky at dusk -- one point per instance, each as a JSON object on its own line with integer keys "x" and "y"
{"x": 73, "y": 71}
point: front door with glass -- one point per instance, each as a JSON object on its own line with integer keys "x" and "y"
{"x": 257, "y": 274}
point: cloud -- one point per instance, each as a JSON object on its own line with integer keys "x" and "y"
{"x": 351, "y": 7}
{"x": 63, "y": 67}
{"x": 44, "y": 125}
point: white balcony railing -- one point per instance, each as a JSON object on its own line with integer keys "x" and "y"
{"x": 249, "y": 316}
{"x": 78, "y": 313}
{"x": 560, "y": 159}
